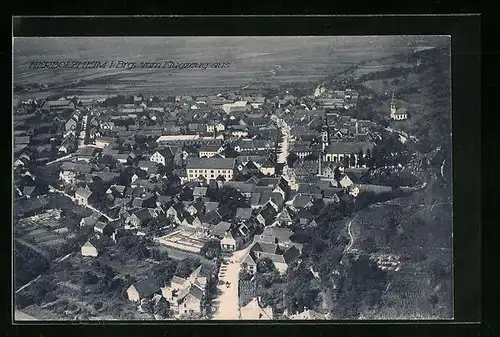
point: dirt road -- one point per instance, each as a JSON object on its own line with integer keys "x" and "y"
{"x": 227, "y": 304}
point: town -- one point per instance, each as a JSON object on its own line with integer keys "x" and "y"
{"x": 212, "y": 207}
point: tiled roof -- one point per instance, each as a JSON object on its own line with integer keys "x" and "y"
{"x": 210, "y": 163}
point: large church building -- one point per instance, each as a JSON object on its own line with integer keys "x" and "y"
{"x": 338, "y": 152}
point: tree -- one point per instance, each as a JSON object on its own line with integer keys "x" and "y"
{"x": 362, "y": 279}
{"x": 211, "y": 249}
{"x": 89, "y": 277}
{"x": 437, "y": 271}
{"x": 368, "y": 245}
{"x": 302, "y": 291}
{"x": 162, "y": 309}
{"x": 391, "y": 229}
{"x": 186, "y": 267}
{"x": 345, "y": 161}
{"x": 133, "y": 245}
{"x": 244, "y": 274}
{"x": 159, "y": 255}
{"x": 291, "y": 159}
{"x": 364, "y": 199}
{"x": 352, "y": 160}
{"x": 337, "y": 174}
{"x": 265, "y": 265}
{"x": 361, "y": 158}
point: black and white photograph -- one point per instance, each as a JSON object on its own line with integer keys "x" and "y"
{"x": 240, "y": 178}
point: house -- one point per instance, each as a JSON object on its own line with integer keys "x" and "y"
{"x": 102, "y": 142}
{"x": 208, "y": 151}
{"x": 199, "y": 192}
{"x": 162, "y": 156}
{"x": 196, "y": 208}
{"x": 102, "y": 228}
{"x": 268, "y": 167}
{"x": 186, "y": 295}
{"x": 210, "y": 168}
{"x": 302, "y": 201}
{"x": 28, "y": 191}
{"x": 254, "y": 311}
{"x": 267, "y": 215}
{"x": 208, "y": 221}
{"x": 308, "y": 314}
{"x": 353, "y": 190}
{"x": 17, "y": 163}
{"x": 229, "y": 243}
{"x": 176, "y": 213}
{"x": 67, "y": 145}
{"x": 215, "y": 127}
{"x": 89, "y": 221}
{"x": 210, "y": 206}
{"x": 305, "y": 217}
{"x": 70, "y": 171}
{"x": 139, "y": 218}
{"x": 281, "y": 257}
{"x": 143, "y": 289}
{"x": 70, "y": 124}
{"x": 250, "y": 262}
{"x": 82, "y": 196}
{"x": 147, "y": 166}
{"x": 236, "y": 106}
{"x": 283, "y": 219}
{"x": 239, "y": 131}
{"x": 220, "y": 230}
{"x": 92, "y": 247}
{"x": 346, "y": 182}
{"x": 243, "y": 214}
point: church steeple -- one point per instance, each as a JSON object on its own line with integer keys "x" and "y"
{"x": 393, "y": 106}
{"x": 325, "y": 134}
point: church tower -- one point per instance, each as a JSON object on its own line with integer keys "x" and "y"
{"x": 393, "y": 107}
{"x": 325, "y": 135}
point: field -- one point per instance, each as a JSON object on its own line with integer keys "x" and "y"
{"x": 269, "y": 61}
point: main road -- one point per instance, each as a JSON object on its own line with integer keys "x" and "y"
{"x": 285, "y": 143}
{"x": 227, "y": 304}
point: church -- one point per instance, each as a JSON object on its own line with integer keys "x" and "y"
{"x": 397, "y": 114}
{"x": 345, "y": 153}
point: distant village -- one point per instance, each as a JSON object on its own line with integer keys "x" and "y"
{"x": 228, "y": 172}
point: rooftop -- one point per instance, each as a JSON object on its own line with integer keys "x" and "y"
{"x": 210, "y": 163}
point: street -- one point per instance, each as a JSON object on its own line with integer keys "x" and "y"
{"x": 53, "y": 189}
{"x": 227, "y": 304}
{"x": 285, "y": 144}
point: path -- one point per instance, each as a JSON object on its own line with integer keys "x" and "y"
{"x": 28, "y": 284}
{"x": 284, "y": 145}
{"x": 442, "y": 169}
{"x": 61, "y": 158}
{"x": 53, "y": 189}
{"x": 228, "y": 302}
{"x": 351, "y": 238}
